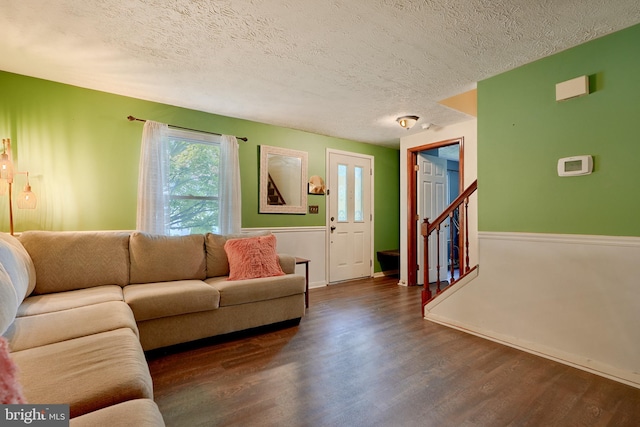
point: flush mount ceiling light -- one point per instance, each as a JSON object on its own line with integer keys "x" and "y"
{"x": 407, "y": 121}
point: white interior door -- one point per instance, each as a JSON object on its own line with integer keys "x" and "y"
{"x": 432, "y": 196}
{"x": 350, "y": 221}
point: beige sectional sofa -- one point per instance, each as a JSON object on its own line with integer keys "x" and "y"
{"x": 79, "y": 308}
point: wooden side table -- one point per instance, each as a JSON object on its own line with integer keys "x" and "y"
{"x": 306, "y": 274}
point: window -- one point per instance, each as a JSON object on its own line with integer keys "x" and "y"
{"x": 194, "y": 161}
{"x": 350, "y": 193}
{"x": 188, "y": 182}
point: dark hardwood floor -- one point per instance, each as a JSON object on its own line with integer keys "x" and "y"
{"x": 363, "y": 356}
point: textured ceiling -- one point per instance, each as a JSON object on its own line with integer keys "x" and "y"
{"x": 341, "y": 68}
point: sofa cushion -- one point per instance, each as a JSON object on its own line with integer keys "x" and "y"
{"x": 67, "y": 260}
{"x": 156, "y": 258}
{"x": 18, "y": 263}
{"x": 252, "y": 290}
{"x": 217, "y": 262}
{"x": 48, "y": 328}
{"x": 138, "y": 413}
{"x": 88, "y": 373}
{"x": 164, "y": 299}
{"x": 252, "y": 258}
{"x": 38, "y": 304}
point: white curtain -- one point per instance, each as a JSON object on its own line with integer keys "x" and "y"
{"x": 229, "y": 188}
{"x": 153, "y": 177}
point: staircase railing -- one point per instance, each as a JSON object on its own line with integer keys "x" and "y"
{"x": 458, "y": 208}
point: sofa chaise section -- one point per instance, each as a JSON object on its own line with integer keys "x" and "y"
{"x": 88, "y": 373}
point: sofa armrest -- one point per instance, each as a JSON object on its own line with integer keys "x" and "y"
{"x": 287, "y": 263}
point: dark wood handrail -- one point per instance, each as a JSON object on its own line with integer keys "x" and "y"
{"x": 453, "y": 206}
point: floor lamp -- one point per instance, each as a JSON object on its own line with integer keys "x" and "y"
{"x": 26, "y": 199}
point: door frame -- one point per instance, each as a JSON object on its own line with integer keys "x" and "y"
{"x": 327, "y": 220}
{"x": 412, "y": 196}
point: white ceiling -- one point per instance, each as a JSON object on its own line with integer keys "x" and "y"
{"x": 341, "y": 68}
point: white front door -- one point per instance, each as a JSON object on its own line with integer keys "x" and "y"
{"x": 350, "y": 219}
{"x": 432, "y": 196}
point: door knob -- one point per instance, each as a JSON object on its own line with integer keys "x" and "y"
{"x": 333, "y": 227}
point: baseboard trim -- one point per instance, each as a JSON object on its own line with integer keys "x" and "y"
{"x": 317, "y": 285}
{"x": 385, "y": 273}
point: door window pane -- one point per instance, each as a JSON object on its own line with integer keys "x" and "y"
{"x": 358, "y": 203}
{"x": 342, "y": 193}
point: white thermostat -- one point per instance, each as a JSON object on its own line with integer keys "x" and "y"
{"x": 574, "y": 166}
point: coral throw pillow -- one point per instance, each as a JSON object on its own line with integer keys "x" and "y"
{"x": 252, "y": 257}
{"x": 10, "y": 390}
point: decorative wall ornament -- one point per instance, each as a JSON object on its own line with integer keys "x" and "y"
{"x": 316, "y": 185}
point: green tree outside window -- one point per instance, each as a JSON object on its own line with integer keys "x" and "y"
{"x": 193, "y": 186}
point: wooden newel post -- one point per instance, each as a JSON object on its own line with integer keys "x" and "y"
{"x": 424, "y": 231}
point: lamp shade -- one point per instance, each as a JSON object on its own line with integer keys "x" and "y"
{"x": 26, "y": 199}
{"x": 6, "y": 167}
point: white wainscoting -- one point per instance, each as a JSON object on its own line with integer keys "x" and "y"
{"x": 304, "y": 242}
{"x": 571, "y": 298}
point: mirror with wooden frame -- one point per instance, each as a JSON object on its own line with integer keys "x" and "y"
{"x": 283, "y": 180}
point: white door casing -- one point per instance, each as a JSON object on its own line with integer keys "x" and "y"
{"x": 432, "y": 201}
{"x": 349, "y": 215}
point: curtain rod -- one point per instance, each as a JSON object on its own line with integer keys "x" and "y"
{"x": 131, "y": 119}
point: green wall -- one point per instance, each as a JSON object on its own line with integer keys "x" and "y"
{"x": 523, "y": 131}
{"x": 83, "y": 156}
